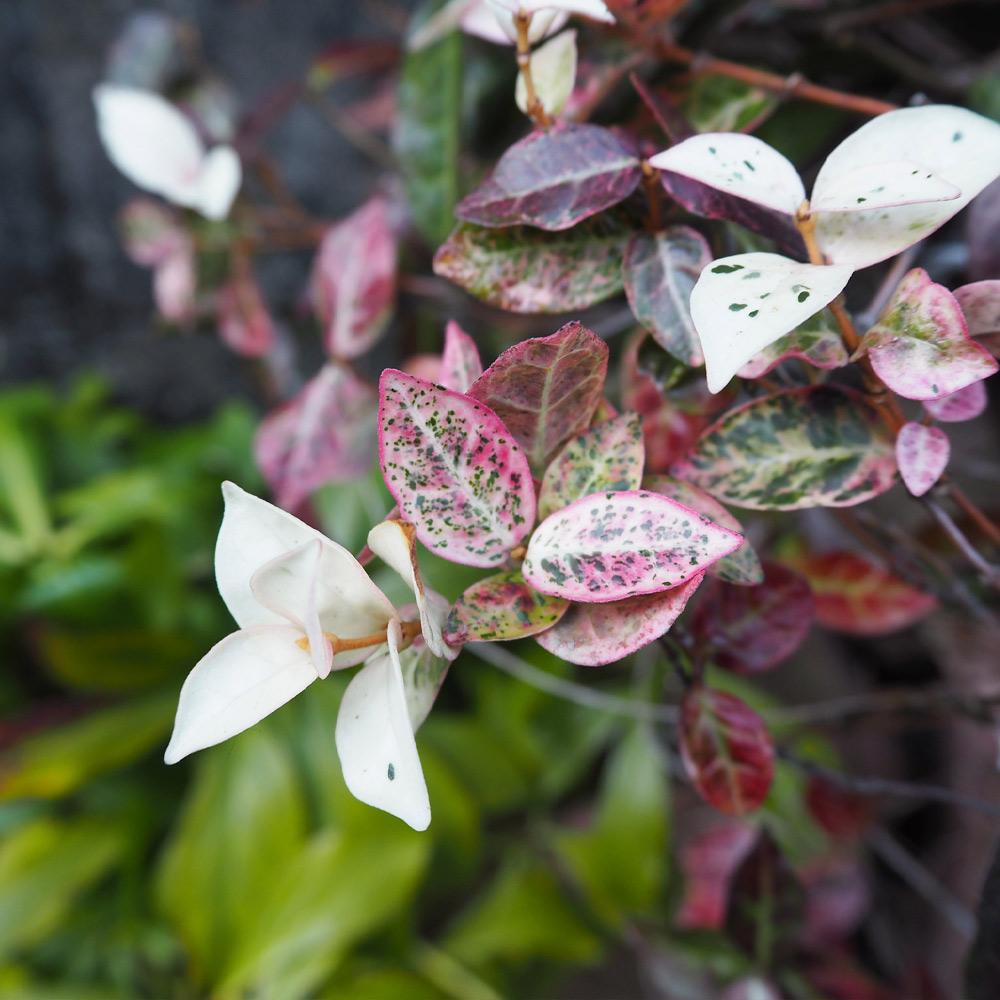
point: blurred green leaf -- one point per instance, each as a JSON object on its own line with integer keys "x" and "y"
{"x": 722, "y": 104}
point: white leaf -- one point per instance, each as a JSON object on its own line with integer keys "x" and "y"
{"x": 597, "y": 10}
{"x": 395, "y": 543}
{"x": 219, "y": 182}
{"x": 881, "y": 185}
{"x": 238, "y": 682}
{"x": 375, "y": 741}
{"x": 544, "y": 22}
{"x": 553, "y": 71}
{"x": 744, "y": 303}
{"x": 740, "y": 165}
{"x": 957, "y": 146}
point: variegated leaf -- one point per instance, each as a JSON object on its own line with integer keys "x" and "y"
{"x": 980, "y": 302}
{"x": 966, "y": 404}
{"x": 817, "y": 342}
{"x": 460, "y": 363}
{"x": 502, "y": 607}
{"x": 922, "y": 454}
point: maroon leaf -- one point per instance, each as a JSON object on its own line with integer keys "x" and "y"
{"x": 460, "y": 362}
{"x": 752, "y": 629}
{"x": 841, "y": 813}
{"x": 726, "y": 749}
{"x": 354, "y": 280}
{"x": 325, "y": 434}
{"x": 708, "y": 862}
{"x": 546, "y": 389}
{"x": 554, "y": 179}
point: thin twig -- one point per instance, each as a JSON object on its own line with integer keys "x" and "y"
{"x": 979, "y": 518}
{"x": 989, "y": 574}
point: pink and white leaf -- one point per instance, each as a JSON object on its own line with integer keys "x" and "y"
{"x": 980, "y": 302}
{"x": 460, "y": 361}
{"x": 922, "y": 454}
{"x": 245, "y": 324}
{"x": 966, "y": 404}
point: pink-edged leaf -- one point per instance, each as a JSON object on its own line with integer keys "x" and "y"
{"x": 661, "y": 269}
{"x": 607, "y": 457}
{"x": 325, "y": 434}
{"x": 455, "y": 470}
{"x": 502, "y": 607}
{"x": 610, "y": 546}
{"x": 354, "y": 280}
{"x": 741, "y": 567}
{"x": 151, "y": 232}
{"x": 546, "y": 389}
{"x": 820, "y": 446}
{"x": 857, "y": 596}
{"x": 708, "y": 862}
{"x": 726, "y": 749}
{"x": 922, "y": 454}
{"x": 245, "y": 324}
{"x": 817, "y": 342}
{"x": 980, "y": 304}
{"x": 460, "y": 362}
{"x": 751, "y": 629}
{"x": 844, "y": 815}
{"x": 920, "y": 347}
{"x": 554, "y": 179}
{"x": 966, "y": 404}
{"x": 526, "y": 270}
{"x": 591, "y": 635}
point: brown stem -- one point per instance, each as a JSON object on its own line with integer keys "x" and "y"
{"x": 969, "y": 508}
{"x": 651, "y": 186}
{"x": 536, "y": 111}
{"x": 410, "y": 631}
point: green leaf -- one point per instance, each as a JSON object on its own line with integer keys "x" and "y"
{"x": 426, "y": 139}
{"x": 721, "y": 104}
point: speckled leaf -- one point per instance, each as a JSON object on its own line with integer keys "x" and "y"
{"x": 880, "y": 185}
{"x": 460, "y": 363}
{"x": 608, "y": 456}
{"x": 502, "y": 607}
{"x": 529, "y": 271}
{"x": 555, "y": 178}
{"x": 966, "y": 404}
{"x": 980, "y": 304}
{"x": 726, "y": 749}
{"x": 744, "y": 303}
{"x": 741, "y": 567}
{"x": 546, "y": 389}
{"x": 354, "y": 280}
{"x": 455, "y": 470}
{"x": 752, "y": 629}
{"x": 660, "y": 271}
{"x": 857, "y": 596}
{"x": 922, "y": 454}
{"x": 820, "y": 446}
{"x": 817, "y": 342}
{"x": 591, "y": 635}
{"x": 325, "y": 434}
{"x": 920, "y": 347}
{"x": 610, "y": 546}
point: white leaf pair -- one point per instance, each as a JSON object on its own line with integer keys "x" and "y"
{"x": 288, "y": 586}
{"x": 888, "y": 185}
{"x": 158, "y": 148}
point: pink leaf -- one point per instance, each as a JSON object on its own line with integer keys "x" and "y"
{"x": 151, "y": 232}
{"x": 920, "y": 347}
{"x": 546, "y": 389}
{"x": 922, "y": 454}
{"x": 460, "y": 363}
{"x": 175, "y": 285}
{"x": 502, "y": 607}
{"x": 966, "y": 404}
{"x": 594, "y": 634}
{"x": 610, "y": 546}
{"x": 354, "y": 280}
{"x": 325, "y": 434}
{"x": 455, "y": 470}
{"x": 425, "y": 366}
{"x": 708, "y": 862}
{"x": 244, "y": 323}
{"x": 554, "y": 179}
{"x": 980, "y": 304}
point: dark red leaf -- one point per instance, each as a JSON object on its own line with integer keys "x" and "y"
{"x": 841, "y": 813}
{"x": 708, "y": 861}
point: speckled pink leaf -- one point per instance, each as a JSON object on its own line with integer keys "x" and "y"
{"x": 460, "y": 362}
{"x": 554, "y": 179}
{"x": 591, "y": 635}
{"x": 741, "y": 567}
{"x": 920, "y": 347}
{"x": 546, "y": 389}
{"x": 325, "y": 434}
{"x": 455, "y": 470}
{"x": 354, "y": 280}
{"x": 817, "y": 342}
{"x": 502, "y": 607}
{"x": 661, "y": 269}
{"x": 244, "y": 322}
{"x": 608, "y": 456}
{"x": 610, "y": 546}
{"x": 922, "y": 454}
{"x": 966, "y": 404}
{"x": 980, "y": 304}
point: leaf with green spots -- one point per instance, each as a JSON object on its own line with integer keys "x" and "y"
{"x": 817, "y": 342}
{"x": 608, "y": 456}
{"x": 456, "y": 472}
{"x": 546, "y": 389}
{"x": 610, "y": 546}
{"x": 661, "y": 269}
{"x": 741, "y": 567}
{"x": 502, "y": 607}
{"x": 591, "y": 635}
{"x": 920, "y": 347}
{"x": 820, "y": 446}
{"x": 530, "y": 271}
